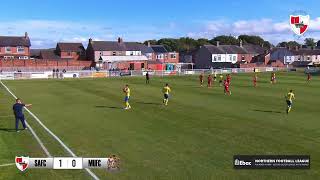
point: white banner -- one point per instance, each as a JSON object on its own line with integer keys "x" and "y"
{"x": 8, "y": 76}
{"x": 43, "y": 75}
{"x": 71, "y": 75}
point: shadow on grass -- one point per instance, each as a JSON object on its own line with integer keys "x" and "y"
{"x": 8, "y": 129}
{"x": 267, "y": 111}
{"x": 149, "y": 103}
{"x": 110, "y": 107}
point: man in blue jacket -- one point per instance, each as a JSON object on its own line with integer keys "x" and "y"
{"x": 18, "y": 113}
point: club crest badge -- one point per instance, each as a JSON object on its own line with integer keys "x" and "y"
{"x": 22, "y": 163}
{"x": 299, "y": 24}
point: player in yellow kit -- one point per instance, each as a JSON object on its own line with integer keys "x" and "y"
{"x": 289, "y": 98}
{"x": 166, "y": 90}
{"x": 126, "y": 90}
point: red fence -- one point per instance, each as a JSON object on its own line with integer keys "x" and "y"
{"x": 43, "y": 62}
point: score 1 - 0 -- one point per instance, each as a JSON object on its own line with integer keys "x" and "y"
{"x": 67, "y": 163}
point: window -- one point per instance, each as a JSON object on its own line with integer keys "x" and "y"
{"x": 20, "y": 49}
{"x": 131, "y": 66}
{"x": 160, "y": 56}
{"x": 219, "y": 57}
{"x": 214, "y": 58}
{"x": 142, "y": 65}
{"x": 173, "y": 56}
{"x": 23, "y": 57}
{"x": 8, "y": 57}
{"x": 8, "y": 49}
{"x": 68, "y": 53}
{"x": 234, "y": 58}
{"x": 242, "y": 58}
{"x": 308, "y": 58}
{"x": 131, "y": 53}
{"x": 114, "y": 53}
{"x": 230, "y": 57}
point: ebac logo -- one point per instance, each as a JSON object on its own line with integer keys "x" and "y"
{"x": 238, "y": 162}
{"x": 22, "y": 163}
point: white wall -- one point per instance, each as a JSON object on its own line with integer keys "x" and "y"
{"x": 224, "y": 58}
{"x": 133, "y": 53}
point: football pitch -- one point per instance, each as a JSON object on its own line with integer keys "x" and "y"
{"x": 194, "y": 137}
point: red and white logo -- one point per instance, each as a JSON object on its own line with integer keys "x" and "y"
{"x": 299, "y": 23}
{"x": 22, "y": 163}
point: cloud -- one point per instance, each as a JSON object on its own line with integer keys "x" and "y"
{"x": 274, "y": 31}
{"x": 46, "y": 33}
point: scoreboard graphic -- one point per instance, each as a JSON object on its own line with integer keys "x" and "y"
{"x": 111, "y": 163}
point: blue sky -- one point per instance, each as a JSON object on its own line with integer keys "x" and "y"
{"x": 50, "y": 21}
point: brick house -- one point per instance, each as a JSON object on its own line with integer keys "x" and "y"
{"x": 63, "y": 51}
{"x": 73, "y": 51}
{"x": 15, "y": 47}
{"x": 164, "y": 59}
{"x": 117, "y": 54}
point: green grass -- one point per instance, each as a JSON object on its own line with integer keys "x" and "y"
{"x": 195, "y": 137}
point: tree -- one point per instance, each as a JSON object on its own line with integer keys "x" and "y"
{"x": 318, "y": 43}
{"x": 256, "y": 40}
{"x": 309, "y": 42}
{"x": 225, "y": 40}
{"x": 152, "y": 42}
{"x": 169, "y": 43}
{"x": 291, "y": 44}
{"x": 267, "y": 44}
{"x": 283, "y": 44}
{"x": 202, "y": 41}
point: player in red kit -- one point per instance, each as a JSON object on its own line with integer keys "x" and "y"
{"x": 228, "y": 78}
{"x": 255, "y": 79}
{"x": 209, "y": 81}
{"x": 309, "y": 77}
{"x": 226, "y": 87}
{"x": 201, "y": 79}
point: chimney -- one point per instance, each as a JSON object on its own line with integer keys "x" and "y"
{"x": 120, "y": 40}
{"x": 149, "y": 44}
{"x": 218, "y": 43}
{"x": 26, "y": 35}
{"x": 90, "y": 41}
{"x": 240, "y": 43}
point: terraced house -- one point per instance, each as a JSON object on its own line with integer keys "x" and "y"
{"x": 211, "y": 56}
{"x": 117, "y": 54}
{"x": 15, "y": 47}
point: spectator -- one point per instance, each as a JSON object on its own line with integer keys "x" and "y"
{"x": 61, "y": 75}
{"x": 57, "y": 73}
{"x": 53, "y": 73}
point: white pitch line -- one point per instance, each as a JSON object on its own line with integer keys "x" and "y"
{"x": 51, "y": 133}
{"x": 9, "y": 164}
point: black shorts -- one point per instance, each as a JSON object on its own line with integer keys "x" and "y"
{"x": 289, "y": 103}
{"x": 166, "y": 96}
